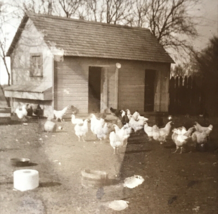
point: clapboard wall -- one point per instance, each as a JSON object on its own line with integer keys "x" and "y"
{"x": 71, "y": 83}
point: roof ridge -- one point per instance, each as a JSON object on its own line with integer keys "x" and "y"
{"x": 30, "y": 14}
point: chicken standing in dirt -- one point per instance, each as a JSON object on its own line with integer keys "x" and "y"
{"x": 21, "y": 112}
{"x": 180, "y": 137}
{"x": 118, "y": 138}
{"x": 161, "y": 134}
{"x": 81, "y": 130}
{"x": 59, "y": 114}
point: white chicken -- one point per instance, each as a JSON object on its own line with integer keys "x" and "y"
{"x": 21, "y": 112}
{"x": 59, "y": 114}
{"x": 102, "y": 132}
{"x": 98, "y": 127}
{"x": 81, "y": 130}
{"x": 127, "y": 128}
{"x": 200, "y": 128}
{"x": 75, "y": 120}
{"x": 121, "y": 135}
{"x": 149, "y": 131}
{"x": 117, "y": 141}
{"x": 50, "y": 126}
{"x": 200, "y": 137}
{"x": 128, "y": 113}
{"x": 137, "y": 125}
{"x": 180, "y": 137}
{"x": 135, "y": 115}
{"x": 160, "y": 134}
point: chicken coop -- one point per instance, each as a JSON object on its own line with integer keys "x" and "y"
{"x": 93, "y": 66}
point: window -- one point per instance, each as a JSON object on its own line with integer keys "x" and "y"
{"x": 36, "y": 65}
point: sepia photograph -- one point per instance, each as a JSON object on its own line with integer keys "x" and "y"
{"x": 108, "y": 106}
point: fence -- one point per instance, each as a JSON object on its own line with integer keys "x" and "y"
{"x": 186, "y": 96}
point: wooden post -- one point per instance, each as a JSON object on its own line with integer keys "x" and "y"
{"x": 116, "y": 91}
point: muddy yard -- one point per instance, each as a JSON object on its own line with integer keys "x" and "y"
{"x": 173, "y": 183}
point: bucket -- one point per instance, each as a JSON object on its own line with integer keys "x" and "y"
{"x": 93, "y": 178}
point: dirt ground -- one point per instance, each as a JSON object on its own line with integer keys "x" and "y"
{"x": 174, "y": 183}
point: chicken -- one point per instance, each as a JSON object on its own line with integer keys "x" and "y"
{"x": 50, "y": 126}
{"x": 59, "y": 114}
{"x": 81, "y": 129}
{"x": 199, "y": 137}
{"x": 102, "y": 133}
{"x": 29, "y": 110}
{"x": 75, "y": 120}
{"x": 137, "y": 125}
{"x": 116, "y": 112}
{"x": 156, "y": 133}
{"x": 128, "y": 113}
{"x": 200, "y": 128}
{"x": 180, "y": 137}
{"x": 117, "y": 140}
{"x": 160, "y": 134}
{"x": 125, "y": 130}
{"x": 124, "y": 117}
{"x": 21, "y": 112}
{"x": 38, "y": 111}
{"x": 135, "y": 115}
{"x": 148, "y": 130}
{"x": 98, "y": 127}
{"x": 94, "y": 121}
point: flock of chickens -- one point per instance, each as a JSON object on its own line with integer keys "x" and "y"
{"x": 125, "y": 124}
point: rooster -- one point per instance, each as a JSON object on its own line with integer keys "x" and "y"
{"x": 59, "y": 114}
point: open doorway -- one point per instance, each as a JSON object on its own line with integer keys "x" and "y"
{"x": 149, "y": 90}
{"x": 94, "y": 101}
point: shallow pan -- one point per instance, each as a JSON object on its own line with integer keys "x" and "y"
{"x": 20, "y": 161}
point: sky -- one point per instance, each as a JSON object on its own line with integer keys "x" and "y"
{"x": 207, "y": 27}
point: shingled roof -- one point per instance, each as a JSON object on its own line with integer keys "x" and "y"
{"x": 94, "y": 39}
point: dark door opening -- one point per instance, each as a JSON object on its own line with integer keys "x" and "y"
{"x": 94, "y": 89}
{"x": 149, "y": 90}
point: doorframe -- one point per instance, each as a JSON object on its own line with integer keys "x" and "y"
{"x": 104, "y": 89}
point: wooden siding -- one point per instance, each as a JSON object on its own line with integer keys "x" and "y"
{"x": 71, "y": 84}
{"x": 31, "y": 41}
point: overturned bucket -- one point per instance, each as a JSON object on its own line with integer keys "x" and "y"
{"x": 93, "y": 178}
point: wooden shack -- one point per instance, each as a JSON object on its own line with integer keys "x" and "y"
{"x": 58, "y": 61}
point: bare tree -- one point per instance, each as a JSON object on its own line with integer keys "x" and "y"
{"x": 169, "y": 20}
{"x": 70, "y": 7}
{"x": 3, "y": 38}
{"x": 109, "y": 11}
{"x": 3, "y": 42}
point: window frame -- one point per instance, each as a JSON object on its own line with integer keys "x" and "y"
{"x": 33, "y": 73}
